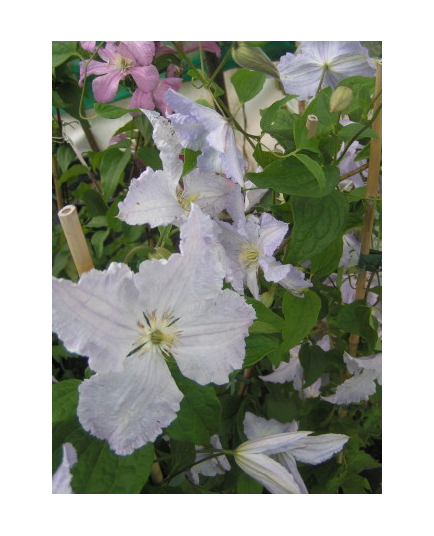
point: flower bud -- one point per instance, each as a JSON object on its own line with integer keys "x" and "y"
{"x": 340, "y": 99}
{"x": 254, "y": 58}
{"x": 267, "y": 298}
{"x": 160, "y": 253}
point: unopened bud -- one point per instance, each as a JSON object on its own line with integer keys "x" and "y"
{"x": 267, "y": 298}
{"x": 340, "y": 99}
{"x": 254, "y": 58}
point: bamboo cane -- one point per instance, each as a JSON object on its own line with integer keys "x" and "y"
{"x": 74, "y": 235}
{"x": 311, "y": 125}
{"x": 371, "y": 194}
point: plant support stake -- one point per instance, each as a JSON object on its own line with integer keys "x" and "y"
{"x": 311, "y": 125}
{"x": 74, "y": 235}
{"x": 371, "y": 195}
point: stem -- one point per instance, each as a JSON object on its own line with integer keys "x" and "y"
{"x": 354, "y": 172}
{"x": 186, "y": 468}
{"x": 372, "y": 193}
{"x": 220, "y": 67}
{"x": 132, "y": 252}
{"x": 56, "y": 176}
{"x": 164, "y": 236}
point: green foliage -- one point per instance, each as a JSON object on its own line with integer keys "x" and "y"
{"x": 245, "y": 484}
{"x": 314, "y": 362}
{"x": 317, "y": 223}
{"x": 357, "y": 318}
{"x": 65, "y": 399}
{"x": 62, "y": 51}
{"x": 113, "y": 164}
{"x": 301, "y": 314}
{"x": 112, "y": 112}
{"x": 247, "y": 84}
{"x": 258, "y": 346}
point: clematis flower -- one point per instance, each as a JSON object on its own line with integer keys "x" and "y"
{"x": 90, "y": 46}
{"x": 319, "y": 64}
{"x": 62, "y": 477}
{"x": 128, "y": 323}
{"x": 286, "y": 446}
{"x": 250, "y": 246}
{"x": 203, "y": 129}
{"x": 362, "y": 385}
{"x": 157, "y": 197}
{"x": 211, "y": 467}
{"x": 156, "y": 97}
{"x": 128, "y": 58}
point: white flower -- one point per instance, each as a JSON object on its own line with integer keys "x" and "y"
{"x": 157, "y": 198}
{"x": 61, "y": 482}
{"x": 362, "y": 385}
{"x": 287, "y": 446}
{"x": 319, "y": 64}
{"x": 250, "y": 246}
{"x": 202, "y": 129}
{"x": 128, "y": 323}
{"x": 211, "y": 467}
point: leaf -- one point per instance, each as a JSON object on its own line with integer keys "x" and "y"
{"x": 112, "y": 112}
{"x": 301, "y": 314}
{"x": 151, "y": 157}
{"x": 247, "y": 84}
{"x": 61, "y": 51}
{"x": 74, "y": 171}
{"x": 327, "y": 261}
{"x": 190, "y": 161}
{"x": 98, "y": 469}
{"x": 246, "y": 484}
{"x": 200, "y": 413}
{"x": 65, "y": 156}
{"x": 57, "y": 101}
{"x": 317, "y": 223}
{"x": 98, "y": 240}
{"x": 113, "y": 163}
{"x": 357, "y": 318}
{"x": 268, "y": 115}
{"x": 266, "y": 315}
{"x": 314, "y": 362}
{"x": 95, "y": 203}
{"x": 291, "y": 176}
{"x": 258, "y": 346}
{"x": 65, "y": 399}
{"x": 348, "y": 131}
{"x": 316, "y": 170}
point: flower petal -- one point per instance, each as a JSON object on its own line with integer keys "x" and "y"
{"x": 97, "y": 317}
{"x": 212, "y": 467}
{"x": 273, "y": 444}
{"x": 271, "y": 233}
{"x": 146, "y": 77}
{"x": 359, "y": 387}
{"x": 255, "y": 427}
{"x": 160, "y": 91}
{"x": 61, "y": 482}
{"x": 151, "y": 199}
{"x": 318, "y": 449}
{"x": 130, "y": 408}
{"x": 211, "y": 343}
{"x": 143, "y": 51}
{"x": 300, "y": 74}
{"x": 267, "y": 472}
{"x": 105, "y": 87}
{"x": 288, "y": 461}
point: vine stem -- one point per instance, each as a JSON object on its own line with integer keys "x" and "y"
{"x": 354, "y": 172}
{"x": 372, "y": 195}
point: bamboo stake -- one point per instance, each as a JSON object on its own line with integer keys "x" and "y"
{"x": 74, "y": 235}
{"x": 371, "y": 194}
{"x": 301, "y": 107}
{"x": 311, "y": 125}
{"x": 248, "y": 373}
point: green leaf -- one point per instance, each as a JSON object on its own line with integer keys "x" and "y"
{"x": 61, "y": 51}
{"x": 266, "y": 315}
{"x": 247, "y": 84}
{"x": 245, "y": 484}
{"x": 98, "y": 469}
{"x": 317, "y": 223}
{"x": 258, "y": 346}
{"x": 348, "y": 131}
{"x": 357, "y": 318}
{"x": 98, "y": 240}
{"x": 301, "y": 314}
{"x": 268, "y": 115}
{"x": 316, "y": 170}
{"x": 144, "y": 126}
{"x": 74, "y": 171}
{"x": 314, "y": 362}
{"x": 327, "y": 261}
{"x": 291, "y": 176}
{"x": 95, "y": 203}
{"x": 65, "y": 156}
{"x": 151, "y": 157}
{"x": 190, "y": 161}
{"x": 112, "y": 112}
{"x": 57, "y": 101}
{"x": 264, "y": 158}
{"x": 65, "y": 399}
{"x": 113, "y": 163}
{"x": 200, "y": 413}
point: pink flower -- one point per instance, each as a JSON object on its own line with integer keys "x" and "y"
{"x": 128, "y": 58}
{"x": 90, "y": 46}
{"x": 156, "y": 98}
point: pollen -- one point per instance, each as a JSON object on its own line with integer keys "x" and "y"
{"x": 157, "y": 332}
{"x": 248, "y": 256}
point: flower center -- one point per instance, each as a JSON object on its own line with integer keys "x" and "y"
{"x": 249, "y": 256}
{"x": 156, "y": 332}
{"x": 122, "y": 63}
{"x": 184, "y": 201}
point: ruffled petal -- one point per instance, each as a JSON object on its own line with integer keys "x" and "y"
{"x": 130, "y": 408}
{"x": 97, "y": 317}
{"x": 61, "y": 483}
{"x": 160, "y": 92}
{"x": 142, "y": 100}
{"x": 359, "y": 387}
{"x": 211, "y": 342}
{"x": 212, "y": 191}
{"x": 212, "y": 467}
{"x": 151, "y": 199}
{"x": 357, "y": 364}
{"x": 105, "y": 87}
{"x": 267, "y": 472}
{"x": 233, "y": 163}
{"x": 256, "y": 427}
{"x": 300, "y": 74}
{"x": 271, "y": 233}
{"x": 287, "y": 372}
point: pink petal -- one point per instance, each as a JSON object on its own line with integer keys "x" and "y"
{"x": 105, "y": 87}
{"x": 146, "y": 77}
{"x": 142, "y": 99}
{"x": 209, "y": 46}
{"x": 160, "y": 92}
{"x": 143, "y": 51}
